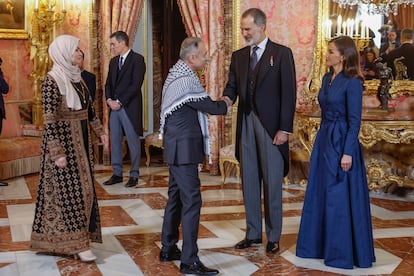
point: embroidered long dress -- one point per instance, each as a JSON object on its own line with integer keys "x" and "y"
{"x": 336, "y": 217}
{"x": 66, "y": 215}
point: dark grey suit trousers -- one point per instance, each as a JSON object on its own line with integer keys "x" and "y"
{"x": 184, "y": 184}
{"x": 261, "y": 167}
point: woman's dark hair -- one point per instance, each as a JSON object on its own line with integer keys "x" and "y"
{"x": 346, "y": 47}
{"x": 370, "y": 50}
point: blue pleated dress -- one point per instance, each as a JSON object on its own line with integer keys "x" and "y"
{"x": 336, "y": 217}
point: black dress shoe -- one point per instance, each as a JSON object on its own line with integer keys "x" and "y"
{"x": 132, "y": 182}
{"x": 272, "y": 247}
{"x": 197, "y": 268}
{"x": 173, "y": 254}
{"x": 113, "y": 180}
{"x": 4, "y": 184}
{"x": 247, "y": 243}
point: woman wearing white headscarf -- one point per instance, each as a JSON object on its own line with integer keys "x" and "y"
{"x": 66, "y": 216}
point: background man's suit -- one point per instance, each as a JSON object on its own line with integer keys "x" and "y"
{"x": 124, "y": 85}
{"x": 267, "y": 99}
{"x": 90, "y": 80}
{"x": 383, "y": 48}
{"x": 407, "y": 51}
{"x": 4, "y": 89}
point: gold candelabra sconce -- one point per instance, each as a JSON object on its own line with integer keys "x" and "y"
{"x": 354, "y": 28}
{"x": 44, "y": 22}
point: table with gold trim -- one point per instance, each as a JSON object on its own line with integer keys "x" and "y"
{"x": 387, "y": 141}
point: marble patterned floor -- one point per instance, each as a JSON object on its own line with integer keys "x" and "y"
{"x": 132, "y": 219}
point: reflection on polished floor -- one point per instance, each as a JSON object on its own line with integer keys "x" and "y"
{"x": 132, "y": 219}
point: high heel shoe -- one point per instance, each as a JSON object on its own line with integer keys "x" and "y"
{"x": 86, "y": 256}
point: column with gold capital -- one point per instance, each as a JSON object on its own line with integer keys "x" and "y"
{"x": 44, "y": 21}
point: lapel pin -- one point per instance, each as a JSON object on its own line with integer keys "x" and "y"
{"x": 271, "y": 61}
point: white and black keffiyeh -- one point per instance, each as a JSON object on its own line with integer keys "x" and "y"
{"x": 183, "y": 86}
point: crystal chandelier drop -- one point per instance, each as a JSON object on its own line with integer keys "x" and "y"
{"x": 384, "y": 7}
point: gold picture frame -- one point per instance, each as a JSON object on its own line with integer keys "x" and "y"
{"x": 13, "y": 19}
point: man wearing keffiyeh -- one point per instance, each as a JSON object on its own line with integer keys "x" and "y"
{"x": 184, "y": 126}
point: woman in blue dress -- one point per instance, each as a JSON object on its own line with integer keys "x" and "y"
{"x": 336, "y": 217}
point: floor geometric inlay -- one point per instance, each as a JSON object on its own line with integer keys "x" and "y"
{"x": 132, "y": 222}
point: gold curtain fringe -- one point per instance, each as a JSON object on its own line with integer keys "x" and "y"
{"x": 19, "y": 167}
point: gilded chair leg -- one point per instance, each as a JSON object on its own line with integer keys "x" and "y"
{"x": 223, "y": 176}
{"x": 147, "y": 152}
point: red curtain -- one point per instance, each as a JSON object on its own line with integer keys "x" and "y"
{"x": 405, "y": 17}
{"x": 204, "y": 18}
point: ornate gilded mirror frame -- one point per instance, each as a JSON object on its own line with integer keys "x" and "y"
{"x": 399, "y": 87}
{"x": 318, "y": 65}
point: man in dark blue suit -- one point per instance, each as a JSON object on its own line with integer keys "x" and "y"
{"x": 184, "y": 126}
{"x": 262, "y": 76}
{"x": 124, "y": 98}
{"x": 4, "y": 89}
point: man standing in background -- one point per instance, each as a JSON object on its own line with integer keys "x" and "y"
{"x": 124, "y": 98}
{"x": 4, "y": 89}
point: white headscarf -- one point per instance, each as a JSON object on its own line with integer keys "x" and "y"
{"x": 63, "y": 71}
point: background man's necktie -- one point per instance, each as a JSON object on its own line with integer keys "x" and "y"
{"x": 253, "y": 58}
{"x": 121, "y": 62}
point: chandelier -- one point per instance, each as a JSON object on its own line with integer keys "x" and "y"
{"x": 384, "y": 7}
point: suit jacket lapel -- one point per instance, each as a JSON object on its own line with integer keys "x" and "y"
{"x": 266, "y": 61}
{"x": 124, "y": 67}
{"x": 114, "y": 69}
{"x": 244, "y": 69}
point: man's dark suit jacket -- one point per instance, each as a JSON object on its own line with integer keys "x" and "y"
{"x": 4, "y": 89}
{"x": 406, "y": 50}
{"x": 125, "y": 86}
{"x": 183, "y": 139}
{"x": 90, "y": 80}
{"x": 384, "y": 47}
{"x": 275, "y": 94}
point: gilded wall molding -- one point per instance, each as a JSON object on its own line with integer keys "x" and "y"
{"x": 236, "y": 25}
